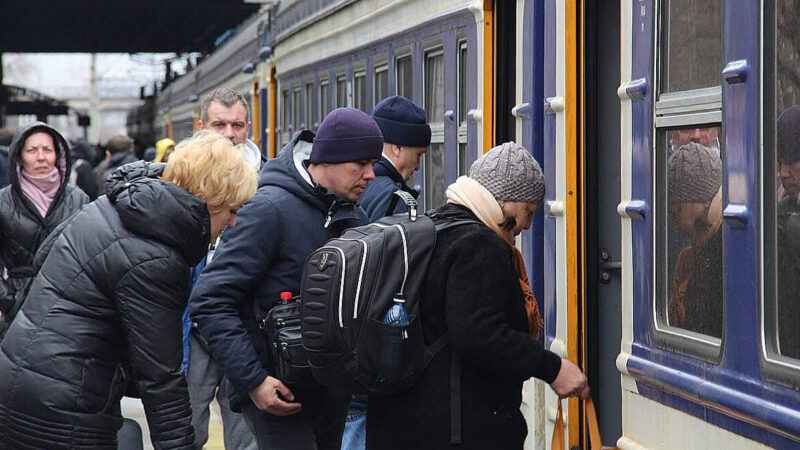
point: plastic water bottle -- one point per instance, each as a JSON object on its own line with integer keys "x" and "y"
{"x": 392, "y": 355}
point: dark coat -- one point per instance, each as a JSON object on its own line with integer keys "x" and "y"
{"x": 789, "y": 276}
{"x": 82, "y": 174}
{"x": 103, "y": 317}
{"x": 22, "y": 228}
{"x": 377, "y": 198}
{"x": 107, "y": 166}
{"x": 472, "y": 295}
{"x": 261, "y": 256}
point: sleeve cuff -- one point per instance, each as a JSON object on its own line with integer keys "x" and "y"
{"x": 551, "y": 366}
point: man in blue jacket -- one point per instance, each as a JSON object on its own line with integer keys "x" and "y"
{"x": 306, "y": 196}
{"x": 406, "y": 137}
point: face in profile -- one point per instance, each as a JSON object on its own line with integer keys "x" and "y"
{"x": 789, "y": 173}
{"x": 350, "y": 179}
{"x": 519, "y": 215}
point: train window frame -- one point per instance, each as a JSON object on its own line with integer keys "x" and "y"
{"x": 697, "y": 108}
{"x": 398, "y": 57}
{"x": 342, "y": 77}
{"x": 437, "y": 127}
{"x": 285, "y": 114}
{"x": 308, "y": 104}
{"x": 462, "y": 106}
{"x": 297, "y": 111}
{"x": 380, "y": 68}
{"x": 775, "y": 366}
{"x": 324, "y": 99}
{"x": 359, "y": 100}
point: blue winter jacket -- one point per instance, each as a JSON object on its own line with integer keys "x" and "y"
{"x": 377, "y": 198}
{"x": 261, "y": 256}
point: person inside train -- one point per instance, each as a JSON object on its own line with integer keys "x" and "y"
{"x": 788, "y": 230}
{"x": 477, "y": 293}
{"x": 226, "y": 112}
{"x": 406, "y": 136}
{"x": 100, "y": 318}
{"x": 306, "y": 195}
{"x": 695, "y": 208}
{"x": 38, "y": 198}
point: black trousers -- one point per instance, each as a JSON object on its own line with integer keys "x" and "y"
{"x": 318, "y": 427}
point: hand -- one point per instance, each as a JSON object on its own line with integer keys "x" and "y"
{"x": 570, "y": 381}
{"x": 275, "y": 398}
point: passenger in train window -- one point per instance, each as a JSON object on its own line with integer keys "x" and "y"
{"x": 695, "y": 204}
{"x": 226, "y": 112}
{"x": 788, "y": 229}
{"x": 477, "y": 293}
{"x": 306, "y": 196}
{"x": 406, "y": 136}
{"x": 707, "y": 136}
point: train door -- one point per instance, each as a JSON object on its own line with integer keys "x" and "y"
{"x": 600, "y": 144}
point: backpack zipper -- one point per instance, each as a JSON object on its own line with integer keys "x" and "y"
{"x": 360, "y": 274}
{"x": 341, "y": 284}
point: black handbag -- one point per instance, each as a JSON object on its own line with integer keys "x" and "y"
{"x": 282, "y": 327}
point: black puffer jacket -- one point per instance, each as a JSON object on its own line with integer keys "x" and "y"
{"x": 471, "y": 295}
{"x": 107, "y": 312}
{"x": 22, "y": 228}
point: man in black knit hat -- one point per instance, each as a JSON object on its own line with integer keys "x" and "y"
{"x": 306, "y": 196}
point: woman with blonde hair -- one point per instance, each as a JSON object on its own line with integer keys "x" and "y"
{"x": 103, "y": 314}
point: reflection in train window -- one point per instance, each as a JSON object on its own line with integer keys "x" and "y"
{"x": 434, "y": 86}
{"x": 434, "y": 108}
{"x": 404, "y": 78}
{"x": 689, "y": 228}
{"x": 360, "y": 91}
{"x": 785, "y": 124}
{"x": 434, "y": 176}
{"x": 381, "y": 83}
{"x": 463, "y": 162}
{"x": 324, "y": 99}
{"x": 462, "y": 84}
{"x": 297, "y": 113}
{"x": 692, "y": 44}
{"x": 285, "y": 111}
{"x": 341, "y": 91}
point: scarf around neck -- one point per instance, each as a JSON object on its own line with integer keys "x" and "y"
{"x": 472, "y": 195}
{"x": 40, "y": 190}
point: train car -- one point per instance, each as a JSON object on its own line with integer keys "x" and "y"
{"x": 680, "y": 307}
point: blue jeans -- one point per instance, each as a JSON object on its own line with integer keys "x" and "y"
{"x": 355, "y": 425}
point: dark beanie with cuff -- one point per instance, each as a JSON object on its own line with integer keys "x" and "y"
{"x": 402, "y": 122}
{"x": 346, "y": 135}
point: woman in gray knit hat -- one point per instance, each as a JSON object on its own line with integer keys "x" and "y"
{"x": 477, "y": 293}
{"x": 695, "y": 199}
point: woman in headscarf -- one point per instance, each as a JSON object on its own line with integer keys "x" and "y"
{"x": 103, "y": 314}
{"x": 477, "y": 293}
{"x": 38, "y": 198}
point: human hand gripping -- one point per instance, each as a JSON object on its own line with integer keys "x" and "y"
{"x": 570, "y": 381}
{"x": 275, "y": 398}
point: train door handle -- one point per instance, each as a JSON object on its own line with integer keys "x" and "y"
{"x": 607, "y": 265}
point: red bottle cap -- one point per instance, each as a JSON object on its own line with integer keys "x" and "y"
{"x": 286, "y": 296}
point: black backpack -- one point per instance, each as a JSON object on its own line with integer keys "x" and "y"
{"x": 349, "y": 285}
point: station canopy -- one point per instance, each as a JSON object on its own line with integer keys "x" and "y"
{"x": 117, "y": 26}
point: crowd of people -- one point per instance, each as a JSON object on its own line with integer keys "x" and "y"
{"x": 154, "y": 283}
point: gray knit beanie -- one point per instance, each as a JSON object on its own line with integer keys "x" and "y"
{"x": 695, "y": 173}
{"x": 510, "y": 173}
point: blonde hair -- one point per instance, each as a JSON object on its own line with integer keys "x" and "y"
{"x": 210, "y": 167}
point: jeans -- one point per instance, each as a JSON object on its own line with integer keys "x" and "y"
{"x": 355, "y": 425}
{"x": 319, "y": 429}
{"x": 206, "y": 381}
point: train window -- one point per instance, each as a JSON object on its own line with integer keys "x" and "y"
{"x": 360, "y": 90}
{"x": 691, "y": 44}
{"x": 782, "y": 184}
{"x": 404, "y": 79}
{"x": 285, "y": 111}
{"x": 309, "y": 110}
{"x": 297, "y": 113}
{"x": 324, "y": 99}
{"x": 381, "y": 83}
{"x": 689, "y": 231}
{"x": 463, "y": 161}
{"x": 434, "y": 107}
{"x": 341, "y": 91}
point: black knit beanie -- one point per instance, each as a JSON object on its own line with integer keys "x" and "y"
{"x": 402, "y": 122}
{"x": 345, "y": 135}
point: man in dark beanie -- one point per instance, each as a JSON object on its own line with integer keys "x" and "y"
{"x": 695, "y": 204}
{"x": 306, "y": 196}
{"x": 406, "y": 137}
{"x": 788, "y": 230}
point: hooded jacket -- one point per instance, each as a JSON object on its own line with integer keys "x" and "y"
{"x": 108, "y": 303}
{"x": 22, "y": 229}
{"x": 262, "y": 256}
{"x": 377, "y": 198}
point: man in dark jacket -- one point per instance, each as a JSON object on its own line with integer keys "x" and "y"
{"x": 82, "y": 172}
{"x": 119, "y": 151}
{"x": 306, "y": 196}
{"x": 788, "y": 229}
{"x": 406, "y": 138}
